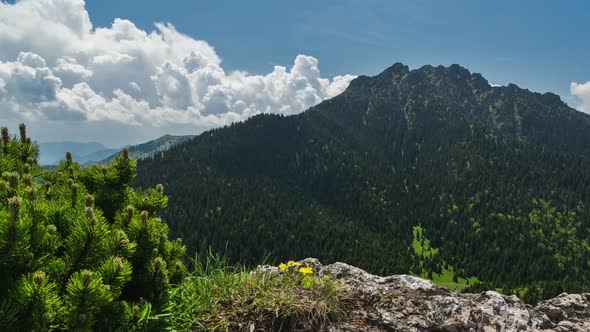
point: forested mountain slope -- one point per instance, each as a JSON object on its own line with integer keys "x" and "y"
{"x": 497, "y": 177}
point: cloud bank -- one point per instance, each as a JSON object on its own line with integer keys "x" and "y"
{"x": 582, "y": 92}
{"x": 65, "y": 77}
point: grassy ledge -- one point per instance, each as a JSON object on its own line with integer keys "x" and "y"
{"x": 220, "y": 297}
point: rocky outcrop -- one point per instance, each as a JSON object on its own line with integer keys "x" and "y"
{"x": 407, "y": 303}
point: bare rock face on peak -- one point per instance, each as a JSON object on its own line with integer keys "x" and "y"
{"x": 408, "y": 303}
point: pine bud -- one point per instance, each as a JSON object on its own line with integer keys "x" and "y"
{"x": 32, "y": 161}
{"x": 104, "y": 170}
{"x": 130, "y": 212}
{"x": 82, "y": 319}
{"x": 6, "y": 176}
{"x": 23, "y": 132}
{"x": 74, "y": 188}
{"x": 28, "y": 141}
{"x": 39, "y": 277}
{"x": 27, "y": 168}
{"x": 14, "y": 204}
{"x": 159, "y": 265}
{"x": 46, "y": 319}
{"x": 179, "y": 266}
{"x": 118, "y": 264}
{"x": 144, "y": 216}
{"x": 125, "y": 154}
{"x": 5, "y": 136}
{"x": 13, "y": 180}
{"x": 86, "y": 276}
{"x": 89, "y": 200}
{"x": 123, "y": 240}
{"x": 68, "y": 157}
{"x": 47, "y": 186}
{"x": 160, "y": 188}
{"x": 89, "y": 212}
{"x": 32, "y": 192}
{"x": 27, "y": 179}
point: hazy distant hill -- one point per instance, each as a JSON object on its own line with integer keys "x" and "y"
{"x": 431, "y": 171}
{"x": 52, "y": 153}
{"x": 95, "y": 153}
{"x": 147, "y": 149}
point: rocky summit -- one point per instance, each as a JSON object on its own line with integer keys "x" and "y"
{"x": 408, "y": 303}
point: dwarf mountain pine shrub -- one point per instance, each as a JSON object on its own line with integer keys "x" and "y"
{"x": 79, "y": 248}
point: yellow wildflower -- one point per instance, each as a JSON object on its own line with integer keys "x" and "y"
{"x": 290, "y": 263}
{"x": 306, "y": 271}
{"x": 283, "y": 267}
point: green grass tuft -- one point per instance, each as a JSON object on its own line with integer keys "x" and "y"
{"x": 220, "y": 297}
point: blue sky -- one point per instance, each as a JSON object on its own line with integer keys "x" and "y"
{"x": 541, "y": 45}
{"x": 127, "y": 71}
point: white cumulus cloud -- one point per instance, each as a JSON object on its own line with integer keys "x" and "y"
{"x": 582, "y": 92}
{"x": 66, "y": 77}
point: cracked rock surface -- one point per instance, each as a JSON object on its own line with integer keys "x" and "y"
{"x": 407, "y": 303}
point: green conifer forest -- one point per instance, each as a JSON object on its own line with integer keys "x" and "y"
{"x": 496, "y": 178}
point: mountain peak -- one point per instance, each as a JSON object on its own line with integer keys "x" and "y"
{"x": 396, "y": 69}
{"x": 453, "y": 75}
{"x": 458, "y": 71}
{"x": 453, "y": 94}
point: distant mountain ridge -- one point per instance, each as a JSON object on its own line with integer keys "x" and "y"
{"x": 51, "y": 153}
{"x": 95, "y": 153}
{"x": 148, "y": 149}
{"x": 497, "y": 179}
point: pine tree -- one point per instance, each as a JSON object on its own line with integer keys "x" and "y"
{"x": 79, "y": 248}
